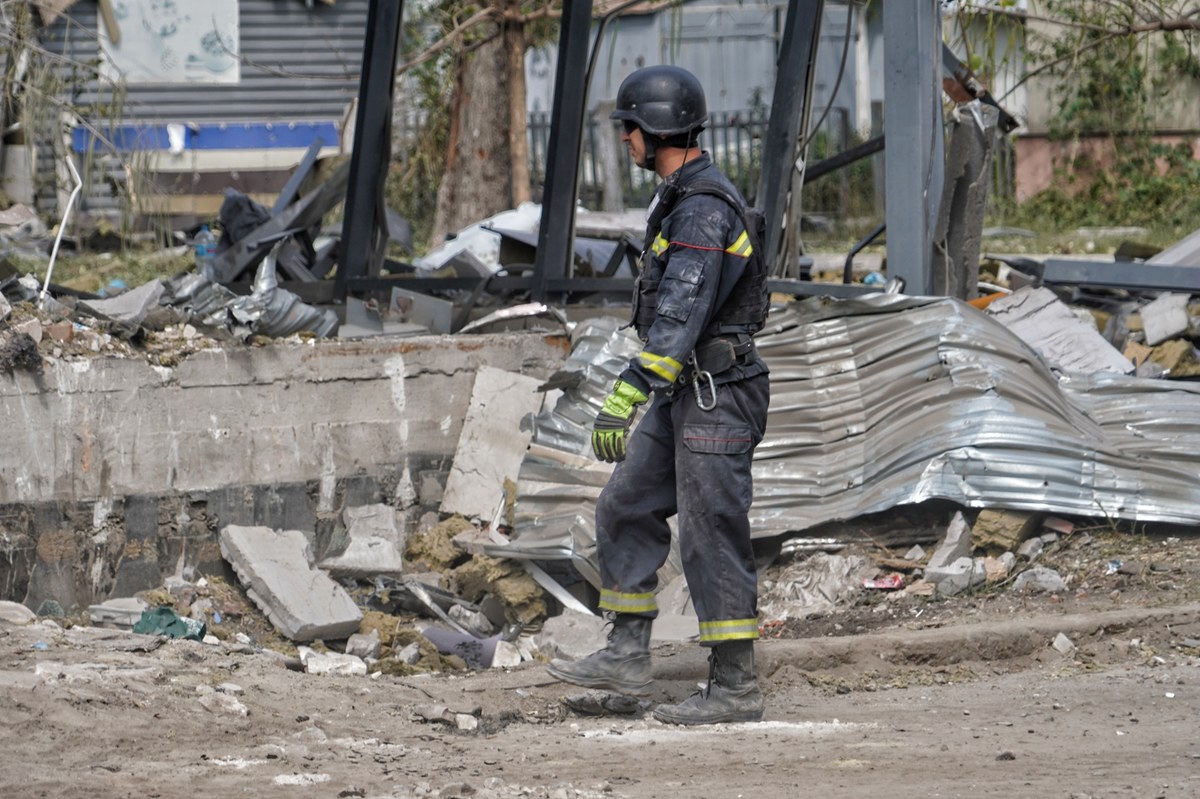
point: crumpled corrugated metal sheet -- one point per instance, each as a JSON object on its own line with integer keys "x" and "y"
{"x": 886, "y": 400}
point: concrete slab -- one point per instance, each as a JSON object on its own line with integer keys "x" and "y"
{"x": 374, "y": 544}
{"x": 492, "y": 443}
{"x": 955, "y": 545}
{"x": 119, "y": 614}
{"x": 274, "y": 567}
{"x": 16, "y": 613}
{"x": 1064, "y": 342}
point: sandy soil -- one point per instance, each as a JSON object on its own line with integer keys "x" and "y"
{"x": 892, "y": 697}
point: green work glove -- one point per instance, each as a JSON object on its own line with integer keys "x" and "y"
{"x": 612, "y": 423}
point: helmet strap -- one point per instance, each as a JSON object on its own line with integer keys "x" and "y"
{"x": 650, "y": 145}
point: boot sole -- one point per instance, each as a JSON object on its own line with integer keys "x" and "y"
{"x": 600, "y": 683}
{"x": 724, "y": 718}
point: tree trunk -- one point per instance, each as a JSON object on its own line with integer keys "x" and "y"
{"x": 477, "y": 183}
{"x": 518, "y": 133}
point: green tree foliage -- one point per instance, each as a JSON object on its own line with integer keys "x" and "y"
{"x": 1116, "y": 69}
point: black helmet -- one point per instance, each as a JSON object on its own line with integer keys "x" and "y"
{"x": 662, "y": 100}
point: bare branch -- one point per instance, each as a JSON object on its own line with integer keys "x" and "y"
{"x": 1108, "y": 37}
{"x": 451, "y": 38}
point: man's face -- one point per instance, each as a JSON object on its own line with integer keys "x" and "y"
{"x": 631, "y": 135}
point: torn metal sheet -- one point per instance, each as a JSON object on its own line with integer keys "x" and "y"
{"x": 269, "y": 310}
{"x": 889, "y": 400}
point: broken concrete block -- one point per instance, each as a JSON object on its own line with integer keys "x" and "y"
{"x": 31, "y": 327}
{"x": 996, "y": 569}
{"x": 117, "y": 613}
{"x": 365, "y": 557}
{"x": 506, "y": 656}
{"x": 331, "y": 663}
{"x": 492, "y": 444}
{"x": 1039, "y": 579}
{"x": 959, "y": 576}
{"x": 916, "y": 554}
{"x": 374, "y": 544}
{"x": 1064, "y": 342}
{"x": 1031, "y": 549}
{"x": 5, "y": 308}
{"x": 999, "y": 531}
{"x": 16, "y": 613}
{"x": 410, "y": 654}
{"x": 1063, "y": 644}
{"x": 363, "y": 646}
{"x": 571, "y": 636}
{"x": 1164, "y": 318}
{"x": 956, "y": 544}
{"x": 274, "y": 567}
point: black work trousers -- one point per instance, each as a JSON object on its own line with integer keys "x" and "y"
{"x": 695, "y": 463}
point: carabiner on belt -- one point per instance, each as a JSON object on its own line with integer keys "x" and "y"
{"x": 699, "y": 378}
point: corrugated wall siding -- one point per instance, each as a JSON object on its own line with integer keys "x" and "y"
{"x": 298, "y": 64}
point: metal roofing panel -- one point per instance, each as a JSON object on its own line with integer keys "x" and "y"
{"x": 884, "y": 401}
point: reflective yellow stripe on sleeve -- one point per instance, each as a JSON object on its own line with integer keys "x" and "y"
{"x": 741, "y": 247}
{"x": 666, "y": 368}
{"x": 728, "y": 630}
{"x": 627, "y": 603}
{"x": 659, "y": 245}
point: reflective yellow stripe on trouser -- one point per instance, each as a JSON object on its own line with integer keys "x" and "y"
{"x": 665, "y": 367}
{"x": 627, "y": 603}
{"x": 714, "y": 632}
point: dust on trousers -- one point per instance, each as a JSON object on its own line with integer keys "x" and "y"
{"x": 695, "y": 463}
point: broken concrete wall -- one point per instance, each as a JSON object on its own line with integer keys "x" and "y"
{"x": 115, "y": 473}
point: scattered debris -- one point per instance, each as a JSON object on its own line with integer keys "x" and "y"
{"x": 1063, "y": 644}
{"x": 1040, "y": 579}
{"x": 275, "y": 566}
{"x": 605, "y": 703}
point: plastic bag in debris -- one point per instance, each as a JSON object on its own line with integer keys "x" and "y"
{"x": 164, "y": 621}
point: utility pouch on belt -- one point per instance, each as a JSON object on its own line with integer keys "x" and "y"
{"x": 715, "y": 356}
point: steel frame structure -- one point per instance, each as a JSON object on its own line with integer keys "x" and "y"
{"x": 913, "y": 122}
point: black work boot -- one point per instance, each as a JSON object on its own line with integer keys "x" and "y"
{"x": 731, "y": 694}
{"x": 622, "y": 666}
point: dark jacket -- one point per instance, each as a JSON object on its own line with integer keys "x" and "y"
{"x": 700, "y": 244}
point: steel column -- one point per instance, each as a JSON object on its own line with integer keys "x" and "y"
{"x": 790, "y": 107}
{"x": 364, "y": 229}
{"x": 557, "y": 231}
{"x": 913, "y": 126}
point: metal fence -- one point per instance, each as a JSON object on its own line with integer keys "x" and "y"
{"x": 735, "y": 140}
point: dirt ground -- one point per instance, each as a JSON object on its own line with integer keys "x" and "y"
{"x": 891, "y": 697}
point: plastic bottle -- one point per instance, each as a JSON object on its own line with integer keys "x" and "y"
{"x": 205, "y": 244}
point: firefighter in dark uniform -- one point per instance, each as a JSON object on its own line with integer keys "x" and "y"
{"x": 700, "y": 296}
